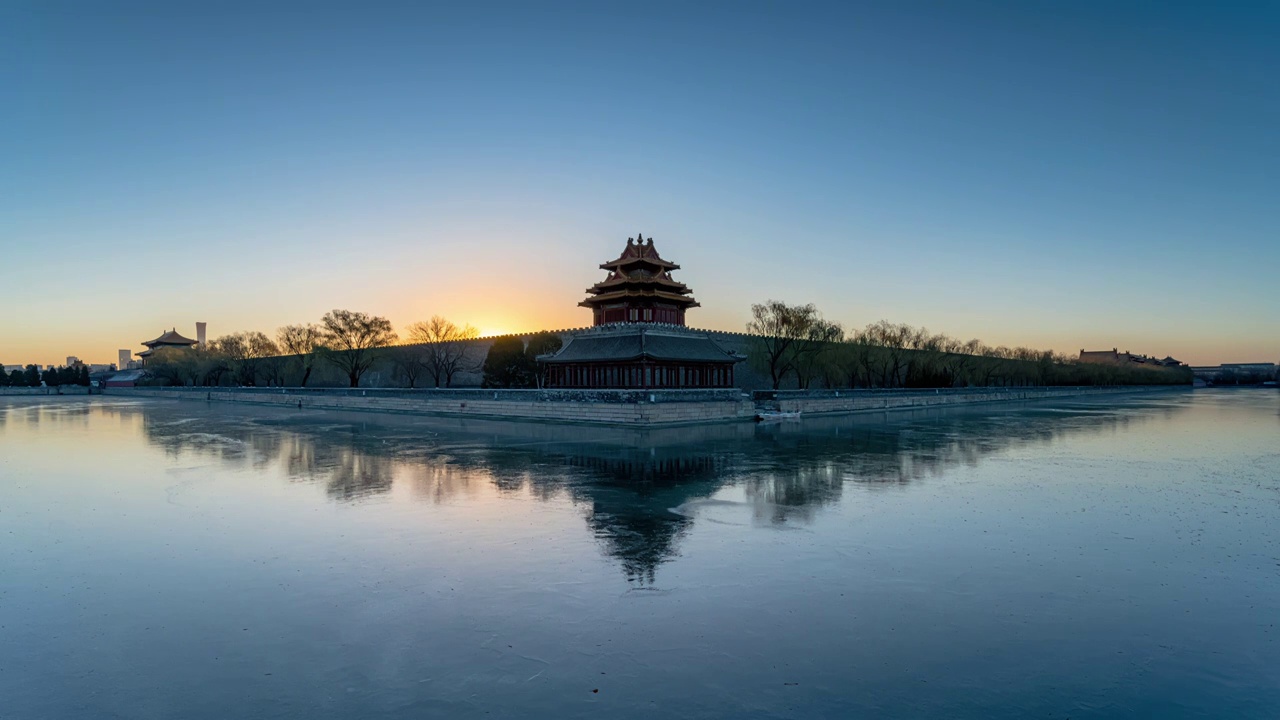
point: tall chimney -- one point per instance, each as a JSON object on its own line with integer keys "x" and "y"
{"x": 123, "y": 362}
{"x": 200, "y": 333}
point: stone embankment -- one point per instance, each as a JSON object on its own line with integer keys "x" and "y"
{"x": 838, "y": 402}
{"x": 604, "y": 407}
{"x": 61, "y": 390}
{"x": 616, "y": 407}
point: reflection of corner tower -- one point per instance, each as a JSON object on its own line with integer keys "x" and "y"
{"x": 639, "y": 288}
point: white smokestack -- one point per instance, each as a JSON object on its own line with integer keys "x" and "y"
{"x": 200, "y": 333}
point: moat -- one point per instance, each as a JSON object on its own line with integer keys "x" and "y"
{"x": 1086, "y": 557}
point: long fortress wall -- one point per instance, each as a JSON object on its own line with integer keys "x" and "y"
{"x": 383, "y": 375}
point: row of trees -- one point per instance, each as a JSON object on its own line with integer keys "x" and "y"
{"x": 352, "y": 342}
{"x": 796, "y": 342}
{"x": 791, "y": 343}
{"x": 32, "y": 376}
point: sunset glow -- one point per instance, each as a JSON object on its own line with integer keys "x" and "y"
{"x": 1081, "y": 211}
{"x": 577, "y": 359}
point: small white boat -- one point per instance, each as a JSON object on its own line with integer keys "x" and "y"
{"x": 776, "y": 416}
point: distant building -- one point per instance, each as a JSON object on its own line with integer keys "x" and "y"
{"x": 1115, "y": 357}
{"x": 1250, "y": 368}
{"x": 1233, "y": 373}
{"x": 128, "y": 378}
{"x": 1104, "y": 357}
{"x": 72, "y": 360}
{"x": 639, "y": 339}
{"x": 170, "y": 339}
{"x": 123, "y": 359}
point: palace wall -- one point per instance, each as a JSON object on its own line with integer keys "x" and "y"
{"x": 383, "y": 374}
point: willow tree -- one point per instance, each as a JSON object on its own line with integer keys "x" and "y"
{"x": 246, "y": 352}
{"x": 302, "y": 341}
{"x": 355, "y": 340}
{"x": 813, "y": 355}
{"x": 195, "y": 365}
{"x": 780, "y": 330}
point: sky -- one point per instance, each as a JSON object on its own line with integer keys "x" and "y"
{"x": 1060, "y": 175}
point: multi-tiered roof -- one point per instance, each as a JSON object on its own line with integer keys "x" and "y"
{"x": 639, "y": 288}
{"x": 637, "y": 342}
{"x": 172, "y": 338}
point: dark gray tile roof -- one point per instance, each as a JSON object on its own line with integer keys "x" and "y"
{"x": 127, "y": 376}
{"x": 171, "y": 337}
{"x": 640, "y": 343}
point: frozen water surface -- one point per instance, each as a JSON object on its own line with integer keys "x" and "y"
{"x": 1111, "y": 558}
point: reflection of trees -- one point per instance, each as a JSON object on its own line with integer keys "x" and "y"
{"x": 231, "y": 444}
{"x": 356, "y": 474}
{"x": 625, "y": 480}
{"x": 902, "y": 448}
{"x": 437, "y": 479}
{"x": 346, "y": 461}
{"x": 34, "y": 410}
{"x": 783, "y": 494}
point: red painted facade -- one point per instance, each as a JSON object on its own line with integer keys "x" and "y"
{"x": 637, "y": 348}
{"x": 639, "y": 288}
{"x": 641, "y": 374}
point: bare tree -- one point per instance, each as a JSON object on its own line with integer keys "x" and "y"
{"x": 814, "y": 352}
{"x": 778, "y": 327}
{"x": 302, "y": 341}
{"x": 354, "y": 340}
{"x": 272, "y": 370}
{"x": 188, "y": 366}
{"x": 410, "y": 363}
{"x": 245, "y": 351}
{"x": 446, "y": 350}
{"x": 897, "y": 351}
{"x": 175, "y": 366}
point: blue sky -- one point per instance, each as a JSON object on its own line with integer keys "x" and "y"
{"x": 1059, "y": 175}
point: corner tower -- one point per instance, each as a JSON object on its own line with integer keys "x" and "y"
{"x": 639, "y": 288}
